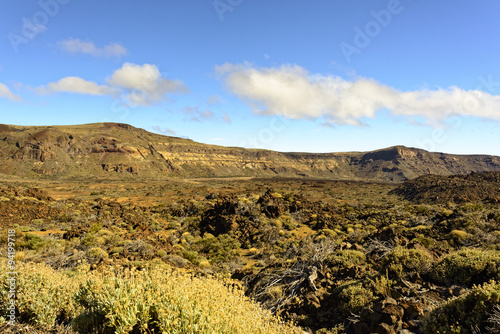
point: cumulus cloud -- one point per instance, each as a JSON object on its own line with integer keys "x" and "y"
{"x": 133, "y": 84}
{"x": 7, "y": 93}
{"x": 295, "y": 93}
{"x": 144, "y": 84}
{"x": 74, "y": 85}
{"x": 75, "y": 45}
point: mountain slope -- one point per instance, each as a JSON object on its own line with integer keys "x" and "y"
{"x": 437, "y": 189}
{"x": 121, "y": 150}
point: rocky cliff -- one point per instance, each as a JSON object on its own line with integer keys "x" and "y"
{"x": 123, "y": 151}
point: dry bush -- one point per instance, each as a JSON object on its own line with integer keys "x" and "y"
{"x": 139, "y": 247}
{"x": 494, "y": 320}
{"x": 378, "y": 248}
{"x": 288, "y": 281}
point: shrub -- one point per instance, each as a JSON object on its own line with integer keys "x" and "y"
{"x": 459, "y": 235}
{"x": 139, "y": 247}
{"x": 219, "y": 249}
{"x": 402, "y": 261}
{"x": 34, "y": 242}
{"x": 353, "y": 297}
{"x": 468, "y": 266}
{"x": 171, "y": 303}
{"x": 43, "y": 295}
{"x": 192, "y": 257}
{"x": 96, "y": 227}
{"x": 97, "y": 253}
{"x": 472, "y": 207}
{"x": 161, "y": 300}
{"x": 116, "y": 250}
{"x": 462, "y": 314}
{"x": 161, "y": 253}
{"x": 37, "y": 222}
{"x": 347, "y": 257}
{"x": 427, "y": 242}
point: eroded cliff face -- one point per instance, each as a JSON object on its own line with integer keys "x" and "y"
{"x": 120, "y": 150}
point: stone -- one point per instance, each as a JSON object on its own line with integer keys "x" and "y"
{"x": 384, "y": 328}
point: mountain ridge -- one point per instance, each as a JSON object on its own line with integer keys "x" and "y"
{"x": 123, "y": 151}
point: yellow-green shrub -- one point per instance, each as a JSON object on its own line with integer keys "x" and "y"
{"x": 353, "y": 297}
{"x": 347, "y": 257}
{"x": 43, "y": 294}
{"x": 157, "y": 298}
{"x": 97, "y": 253}
{"x": 172, "y": 303}
{"x": 402, "y": 260}
{"x": 459, "y": 315}
{"x": 468, "y": 266}
{"x": 34, "y": 242}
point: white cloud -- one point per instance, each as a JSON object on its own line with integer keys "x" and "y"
{"x": 7, "y": 93}
{"x": 133, "y": 84}
{"x": 143, "y": 84}
{"x": 74, "y": 85}
{"x": 293, "y": 92}
{"x": 75, "y": 45}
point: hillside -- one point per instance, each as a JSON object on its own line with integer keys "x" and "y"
{"x": 113, "y": 150}
{"x": 436, "y": 189}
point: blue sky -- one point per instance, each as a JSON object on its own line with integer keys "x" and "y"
{"x": 322, "y": 76}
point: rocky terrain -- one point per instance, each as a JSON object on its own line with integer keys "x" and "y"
{"x": 331, "y": 256}
{"x": 113, "y": 150}
{"x": 475, "y": 187}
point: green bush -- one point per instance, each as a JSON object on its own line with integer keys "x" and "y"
{"x": 96, "y": 227}
{"x": 192, "y": 257}
{"x": 34, "y": 242}
{"x": 347, "y": 257}
{"x": 353, "y": 297}
{"x": 161, "y": 253}
{"x": 401, "y": 261}
{"x": 37, "y": 222}
{"x": 219, "y": 249}
{"x": 116, "y": 250}
{"x": 468, "y": 266}
{"x": 97, "y": 253}
{"x": 462, "y": 314}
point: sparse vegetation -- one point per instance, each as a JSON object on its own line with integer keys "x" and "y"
{"x": 329, "y": 256}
